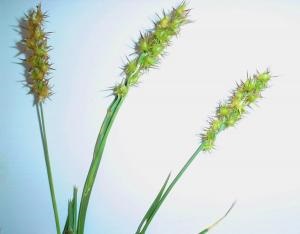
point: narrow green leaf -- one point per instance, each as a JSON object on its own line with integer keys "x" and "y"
{"x": 98, "y": 151}
{"x": 70, "y": 226}
{"x": 153, "y": 205}
{"x": 169, "y": 189}
{"x": 70, "y": 215}
{"x": 74, "y": 204}
{"x": 218, "y": 221}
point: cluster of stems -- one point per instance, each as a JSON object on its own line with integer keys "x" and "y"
{"x": 148, "y": 51}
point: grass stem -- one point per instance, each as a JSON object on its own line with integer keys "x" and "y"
{"x": 97, "y": 156}
{"x": 146, "y": 221}
{"x": 40, "y": 113}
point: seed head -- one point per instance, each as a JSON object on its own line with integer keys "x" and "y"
{"x": 36, "y": 49}
{"x": 230, "y": 112}
{"x": 151, "y": 45}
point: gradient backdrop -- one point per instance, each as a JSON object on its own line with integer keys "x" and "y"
{"x": 257, "y": 162}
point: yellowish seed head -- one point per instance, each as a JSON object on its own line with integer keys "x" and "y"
{"x": 36, "y": 49}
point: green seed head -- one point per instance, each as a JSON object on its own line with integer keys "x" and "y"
{"x": 228, "y": 114}
{"x": 151, "y": 45}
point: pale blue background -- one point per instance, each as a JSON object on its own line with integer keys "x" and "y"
{"x": 256, "y": 163}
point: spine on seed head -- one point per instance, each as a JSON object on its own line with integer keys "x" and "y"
{"x": 37, "y": 59}
{"x": 231, "y": 111}
{"x": 151, "y": 46}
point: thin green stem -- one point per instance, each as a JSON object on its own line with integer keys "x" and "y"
{"x": 168, "y": 190}
{"x": 41, "y": 120}
{"x": 98, "y": 151}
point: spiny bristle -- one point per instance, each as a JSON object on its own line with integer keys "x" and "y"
{"x": 230, "y": 112}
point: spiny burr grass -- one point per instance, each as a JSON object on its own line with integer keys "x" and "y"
{"x": 35, "y": 48}
{"x": 227, "y": 115}
{"x": 147, "y": 52}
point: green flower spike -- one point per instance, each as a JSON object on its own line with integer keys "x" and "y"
{"x": 227, "y": 115}
{"x": 147, "y": 52}
{"x": 36, "y": 50}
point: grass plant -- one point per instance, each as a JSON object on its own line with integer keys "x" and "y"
{"x": 148, "y": 51}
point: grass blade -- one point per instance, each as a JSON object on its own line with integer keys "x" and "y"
{"x": 153, "y": 205}
{"x": 206, "y": 230}
{"x": 70, "y": 226}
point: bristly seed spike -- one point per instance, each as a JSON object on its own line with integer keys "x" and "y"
{"x": 36, "y": 50}
{"x": 151, "y": 45}
{"x": 229, "y": 113}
